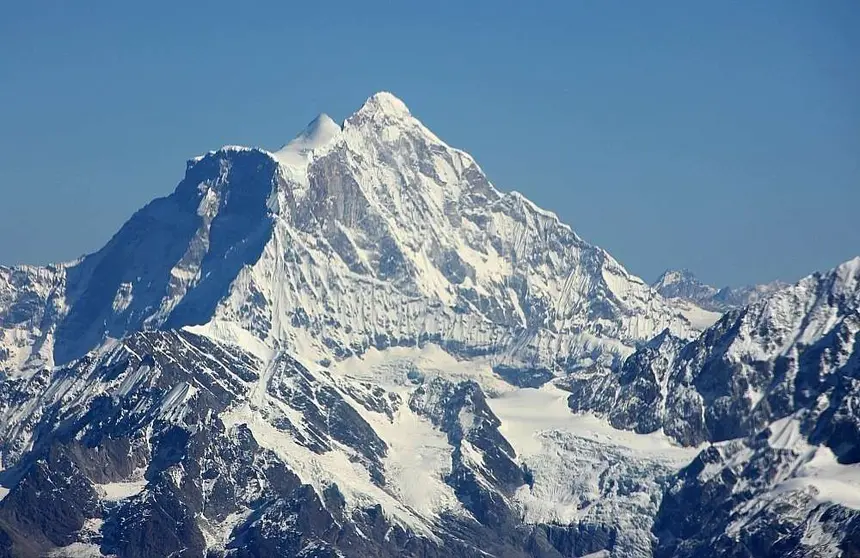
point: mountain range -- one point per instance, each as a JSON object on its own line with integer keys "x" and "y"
{"x": 356, "y": 345}
{"x": 683, "y": 284}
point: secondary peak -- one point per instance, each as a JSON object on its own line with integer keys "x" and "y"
{"x": 318, "y": 133}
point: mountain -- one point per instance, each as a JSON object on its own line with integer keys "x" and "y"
{"x": 355, "y": 345}
{"x": 685, "y": 285}
{"x": 772, "y": 388}
{"x": 373, "y": 234}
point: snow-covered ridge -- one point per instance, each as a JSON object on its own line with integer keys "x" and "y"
{"x": 384, "y": 103}
{"x": 403, "y": 212}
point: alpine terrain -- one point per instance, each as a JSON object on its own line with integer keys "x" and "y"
{"x": 683, "y": 284}
{"x": 355, "y": 345}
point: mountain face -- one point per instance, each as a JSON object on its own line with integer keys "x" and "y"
{"x": 774, "y": 388}
{"x": 355, "y": 345}
{"x": 686, "y": 286}
{"x": 755, "y": 365}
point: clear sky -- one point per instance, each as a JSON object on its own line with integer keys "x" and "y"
{"x": 719, "y": 136}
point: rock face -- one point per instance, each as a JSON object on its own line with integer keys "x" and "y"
{"x": 356, "y": 346}
{"x": 31, "y": 303}
{"x": 763, "y": 496}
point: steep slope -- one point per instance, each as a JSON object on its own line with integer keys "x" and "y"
{"x": 385, "y": 228}
{"x": 774, "y": 494}
{"x": 299, "y": 265}
{"x": 684, "y": 285}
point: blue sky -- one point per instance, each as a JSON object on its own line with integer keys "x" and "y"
{"x": 719, "y": 136}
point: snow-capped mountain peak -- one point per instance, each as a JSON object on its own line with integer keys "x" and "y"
{"x": 683, "y": 284}
{"x": 321, "y": 131}
{"x": 847, "y": 276}
{"x": 675, "y": 277}
{"x": 384, "y": 103}
{"x": 366, "y": 235}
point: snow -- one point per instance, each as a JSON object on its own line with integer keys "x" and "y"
{"x": 817, "y": 469}
{"x": 386, "y": 103}
{"x": 321, "y": 131}
{"x": 321, "y": 258}
{"x": 415, "y": 465}
{"x": 390, "y": 368}
{"x": 418, "y": 460}
{"x": 173, "y": 405}
{"x": 123, "y": 298}
{"x": 830, "y": 481}
{"x": 115, "y": 491}
{"x": 673, "y": 277}
{"x": 77, "y": 550}
{"x": 698, "y": 317}
{"x": 785, "y": 433}
{"x": 527, "y": 413}
{"x": 569, "y": 457}
{"x": 534, "y": 294}
{"x": 322, "y": 470}
{"x": 821, "y": 539}
{"x": 232, "y": 333}
{"x": 754, "y": 395}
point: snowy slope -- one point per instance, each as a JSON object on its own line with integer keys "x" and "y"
{"x": 774, "y": 386}
{"x": 31, "y": 299}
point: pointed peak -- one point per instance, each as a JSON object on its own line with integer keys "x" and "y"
{"x": 847, "y": 273}
{"x": 319, "y": 132}
{"x": 657, "y": 341}
{"x": 323, "y": 126}
{"x": 384, "y": 103}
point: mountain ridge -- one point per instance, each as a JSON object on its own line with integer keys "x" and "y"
{"x": 683, "y": 284}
